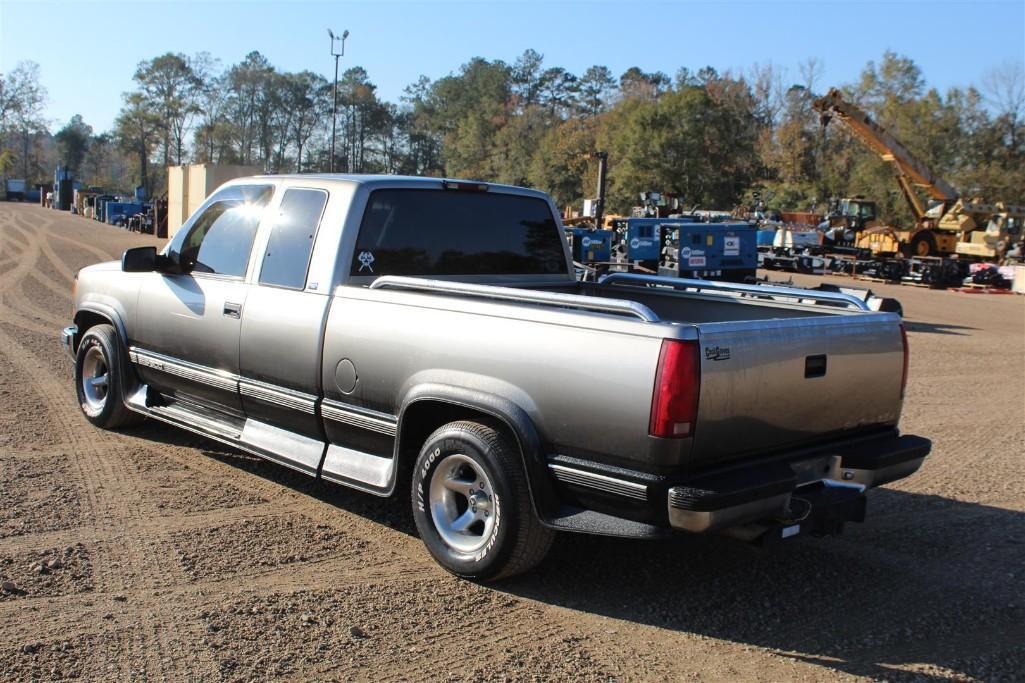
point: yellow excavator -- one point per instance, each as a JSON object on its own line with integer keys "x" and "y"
{"x": 950, "y": 224}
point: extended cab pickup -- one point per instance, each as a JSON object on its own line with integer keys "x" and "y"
{"x": 429, "y": 338}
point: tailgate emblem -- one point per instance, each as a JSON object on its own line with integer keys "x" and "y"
{"x": 717, "y": 353}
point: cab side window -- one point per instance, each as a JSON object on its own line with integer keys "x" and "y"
{"x": 220, "y": 238}
{"x": 287, "y": 259}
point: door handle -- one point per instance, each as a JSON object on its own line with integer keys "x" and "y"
{"x": 232, "y": 310}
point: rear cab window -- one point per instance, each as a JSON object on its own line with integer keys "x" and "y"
{"x": 427, "y": 233}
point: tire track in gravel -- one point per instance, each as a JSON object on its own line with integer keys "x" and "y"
{"x": 26, "y": 258}
{"x": 329, "y": 572}
{"x": 147, "y": 525}
{"x": 58, "y": 263}
{"x": 39, "y": 314}
{"x": 99, "y": 253}
{"x": 109, "y": 495}
{"x": 11, "y": 280}
{"x": 103, "y": 254}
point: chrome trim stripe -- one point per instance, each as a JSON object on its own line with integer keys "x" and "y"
{"x": 621, "y": 487}
{"x": 364, "y": 419}
{"x": 279, "y": 396}
{"x": 220, "y": 379}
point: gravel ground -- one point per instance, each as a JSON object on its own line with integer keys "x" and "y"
{"x": 179, "y": 559}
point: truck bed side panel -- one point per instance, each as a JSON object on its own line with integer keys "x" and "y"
{"x": 588, "y": 388}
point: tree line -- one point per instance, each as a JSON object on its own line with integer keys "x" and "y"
{"x": 712, "y": 137}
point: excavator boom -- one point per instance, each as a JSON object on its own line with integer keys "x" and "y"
{"x": 909, "y": 168}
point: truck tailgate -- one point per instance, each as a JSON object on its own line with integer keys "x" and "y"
{"x": 773, "y": 384}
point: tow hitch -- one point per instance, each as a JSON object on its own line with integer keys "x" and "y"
{"x": 818, "y": 509}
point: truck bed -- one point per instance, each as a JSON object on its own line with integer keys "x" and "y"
{"x": 779, "y": 371}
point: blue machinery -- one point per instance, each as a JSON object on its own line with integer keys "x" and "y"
{"x": 590, "y": 246}
{"x": 673, "y": 247}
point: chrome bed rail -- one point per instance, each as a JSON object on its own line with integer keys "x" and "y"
{"x": 761, "y": 291}
{"x": 588, "y": 303}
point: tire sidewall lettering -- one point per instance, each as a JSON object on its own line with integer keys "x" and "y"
{"x": 424, "y": 471}
{"x": 89, "y": 342}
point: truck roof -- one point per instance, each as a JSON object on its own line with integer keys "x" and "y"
{"x": 393, "y": 181}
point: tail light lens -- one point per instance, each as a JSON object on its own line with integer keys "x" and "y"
{"x": 674, "y": 403}
{"x": 904, "y": 372}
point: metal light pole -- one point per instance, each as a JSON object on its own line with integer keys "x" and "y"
{"x": 334, "y": 109}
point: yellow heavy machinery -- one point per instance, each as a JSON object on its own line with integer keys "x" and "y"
{"x": 950, "y": 224}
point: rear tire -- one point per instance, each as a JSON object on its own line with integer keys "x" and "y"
{"x": 472, "y": 506}
{"x": 99, "y": 374}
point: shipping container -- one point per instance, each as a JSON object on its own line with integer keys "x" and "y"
{"x": 189, "y": 186}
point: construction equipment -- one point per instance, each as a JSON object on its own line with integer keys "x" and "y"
{"x": 658, "y": 205}
{"x": 847, "y": 217}
{"x": 950, "y": 225}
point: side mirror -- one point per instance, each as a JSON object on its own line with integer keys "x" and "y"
{"x": 139, "y": 260}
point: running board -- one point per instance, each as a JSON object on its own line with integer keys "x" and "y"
{"x": 352, "y": 468}
{"x": 363, "y": 471}
{"x": 178, "y": 415}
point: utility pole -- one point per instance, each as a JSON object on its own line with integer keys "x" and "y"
{"x": 334, "y": 109}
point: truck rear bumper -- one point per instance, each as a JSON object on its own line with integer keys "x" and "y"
{"x": 827, "y": 488}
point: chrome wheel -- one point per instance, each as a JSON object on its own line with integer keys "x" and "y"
{"x": 462, "y": 503}
{"x": 95, "y": 379}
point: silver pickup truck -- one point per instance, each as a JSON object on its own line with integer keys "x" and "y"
{"x": 428, "y": 338}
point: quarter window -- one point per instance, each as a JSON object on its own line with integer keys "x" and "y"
{"x": 287, "y": 259}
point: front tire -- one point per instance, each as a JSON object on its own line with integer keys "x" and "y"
{"x": 99, "y": 371}
{"x": 923, "y": 244}
{"x": 472, "y": 506}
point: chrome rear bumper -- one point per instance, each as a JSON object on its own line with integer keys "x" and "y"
{"x": 746, "y": 496}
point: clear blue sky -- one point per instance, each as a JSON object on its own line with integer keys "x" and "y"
{"x": 88, "y": 50}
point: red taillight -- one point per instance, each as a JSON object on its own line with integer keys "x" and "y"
{"x": 904, "y": 372}
{"x": 674, "y": 403}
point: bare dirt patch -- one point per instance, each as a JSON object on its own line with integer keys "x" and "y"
{"x": 39, "y": 493}
{"x": 89, "y": 657}
{"x": 258, "y": 544}
{"x": 184, "y": 490}
{"x": 52, "y": 572}
{"x": 24, "y": 422}
{"x": 389, "y": 628}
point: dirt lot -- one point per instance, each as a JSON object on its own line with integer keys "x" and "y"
{"x": 155, "y": 555}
